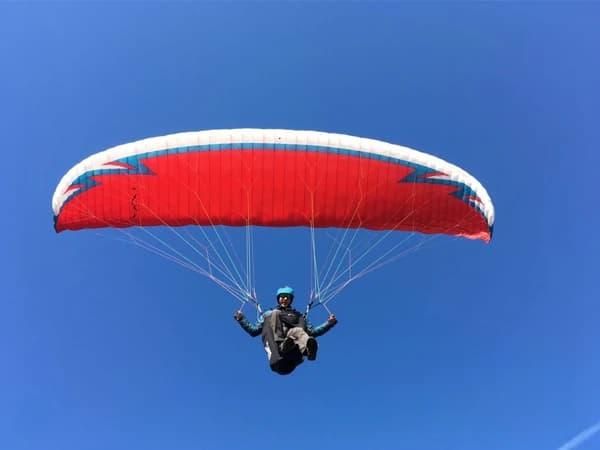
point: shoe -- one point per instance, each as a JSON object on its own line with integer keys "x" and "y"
{"x": 311, "y": 349}
{"x": 287, "y": 345}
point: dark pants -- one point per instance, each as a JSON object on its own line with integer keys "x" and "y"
{"x": 283, "y": 364}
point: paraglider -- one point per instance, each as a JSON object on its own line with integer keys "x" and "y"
{"x": 286, "y": 333}
{"x": 242, "y": 177}
{"x": 272, "y": 178}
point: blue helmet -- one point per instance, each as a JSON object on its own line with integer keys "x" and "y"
{"x": 285, "y": 290}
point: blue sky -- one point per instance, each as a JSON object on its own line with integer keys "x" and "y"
{"x": 460, "y": 345}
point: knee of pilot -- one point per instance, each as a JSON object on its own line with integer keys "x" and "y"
{"x": 296, "y": 331}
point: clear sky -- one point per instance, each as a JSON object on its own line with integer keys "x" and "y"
{"x": 461, "y": 345}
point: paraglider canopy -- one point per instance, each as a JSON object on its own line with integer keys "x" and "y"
{"x": 272, "y": 178}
